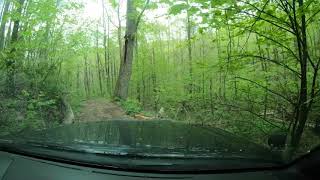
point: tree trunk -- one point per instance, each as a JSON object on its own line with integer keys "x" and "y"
{"x": 106, "y": 47}
{"x": 99, "y": 63}
{"x": 92, "y": 82}
{"x": 119, "y": 32}
{"x": 303, "y": 106}
{"x": 122, "y": 85}
{"x": 99, "y": 74}
{"x": 211, "y": 96}
{"x": 143, "y": 83}
{"x": 11, "y": 61}
{"x": 114, "y": 70}
{"x": 3, "y": 23}
{"x": 229, "y": 55}
{"x": 154, "y": 81}
{"x": 138, "y": 65}
{"x": 78, "y": 79}
{"x": 86, "y": 77}
{"x": 264, "y": 69}
{"x": 220, "y": 89}
{"x": 203, "y": 83}
{"x": 2, "y": 4}
{"x": 189, "y": 26}
{"x": 7, "y": 38}
{"x": 110, "y": 85}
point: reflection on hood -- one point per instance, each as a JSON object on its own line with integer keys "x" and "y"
{"x": 151, "y": 138}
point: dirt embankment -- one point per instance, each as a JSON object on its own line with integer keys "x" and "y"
{"x": 100, "y": 110}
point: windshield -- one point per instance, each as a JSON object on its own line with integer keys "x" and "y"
{"x": 211, "y": 81}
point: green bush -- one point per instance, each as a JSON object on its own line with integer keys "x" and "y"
{"x": 131, "y": 106}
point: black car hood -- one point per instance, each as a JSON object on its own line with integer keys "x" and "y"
{"x": 156, "y": 138}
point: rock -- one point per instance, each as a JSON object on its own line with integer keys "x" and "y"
{"x": 67, "y": 111}
{"x": 316, "y": 128}
{"x": 20, "y": 116}
{"x": 277, "y": 140}
{"x": 161, "y": 113}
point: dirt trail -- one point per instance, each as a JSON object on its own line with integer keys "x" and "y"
{"x": 100, "y": 110}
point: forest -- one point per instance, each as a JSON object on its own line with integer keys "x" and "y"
{"x": 249, "y": 67}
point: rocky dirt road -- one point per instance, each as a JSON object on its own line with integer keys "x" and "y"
{"x": 100, "y": 110}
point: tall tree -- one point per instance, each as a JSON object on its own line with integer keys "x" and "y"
{"x": 106, "y": 46}
{"x": 291, "y": 20}
{"x": 12, "y": 59}
{"x": 189, "y": 28}
{"x": 133, "y": 20}
{"x": 3, "y": 23}
{"x": 99, "y": 64}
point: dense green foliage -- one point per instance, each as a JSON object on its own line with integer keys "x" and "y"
{"x": 249, "y": 67}
{"x": 131, "y": 106}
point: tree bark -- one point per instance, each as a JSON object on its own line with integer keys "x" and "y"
{"x": 189, "y": 26}
{"x": 154, "y": 81}
{"x": 3, "y": 23}
{"x": 2, "y": 4}
{"x": 7, "y": 38}
{"x": 99, "y": 74}
{"x": 11, "y": 61}
{"x": 86, "y": 77}
{"x": 99, "y": 64}
{"x": 119, "y": 32}
{"x": 106, "y": 39}
{"x": 122, "y": 85}
{"x": 302, "y": 106}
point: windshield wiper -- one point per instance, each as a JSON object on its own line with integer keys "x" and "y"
{"x": 121, "y": 157}
{"x": 73, "y": 148}
{"x": 125, "y": 151}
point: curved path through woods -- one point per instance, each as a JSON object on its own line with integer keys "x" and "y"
{"x": 100, "y": 110}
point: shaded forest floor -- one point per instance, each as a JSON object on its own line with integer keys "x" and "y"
{"x": 99, "y": 110}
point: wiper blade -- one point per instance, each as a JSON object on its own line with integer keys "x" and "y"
{"x": 126, "y": 151}
{"x": 85, "y": 148}
{"x": 53, "y": 146}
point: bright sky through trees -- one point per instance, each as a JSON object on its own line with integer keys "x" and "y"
{"x": 92, "y": 11}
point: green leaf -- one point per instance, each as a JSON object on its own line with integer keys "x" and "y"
{"x": 178, "y": 8}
